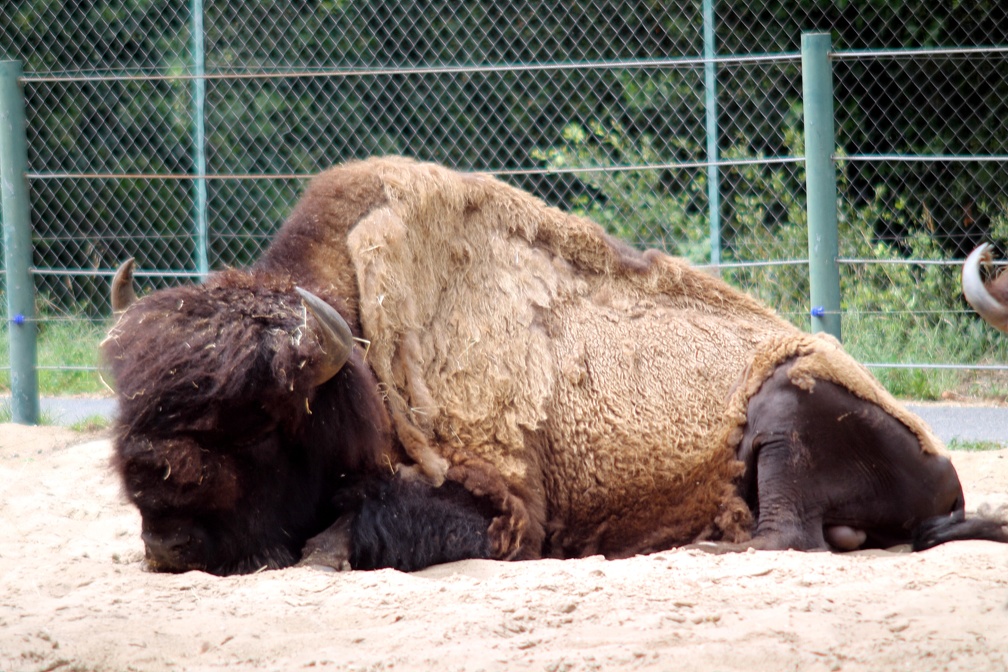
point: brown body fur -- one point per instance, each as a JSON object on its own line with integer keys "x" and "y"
{"x": 595, "y": 394}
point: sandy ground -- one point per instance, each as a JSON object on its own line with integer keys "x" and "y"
{"x": 74, "y": 596}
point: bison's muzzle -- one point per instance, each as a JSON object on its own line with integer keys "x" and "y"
{"x": 175, "y": 549}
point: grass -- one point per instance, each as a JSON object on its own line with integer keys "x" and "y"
{"x": 974, "y": 446}
{"x": 900, "y": 338}
{"x": 6, "y": 415}
{"x": 67, "y": 343}
{"x": 94, "y": 423}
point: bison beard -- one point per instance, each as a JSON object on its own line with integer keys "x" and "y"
{"x": 531, "y": 387}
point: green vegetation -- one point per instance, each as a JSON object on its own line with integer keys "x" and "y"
{"x": 975, "y": 446}
{"x": 6, "y": 415}
{"x": 64, "y": 342}
{"x": 95, "y": 423}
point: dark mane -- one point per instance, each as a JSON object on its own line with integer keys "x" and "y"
{"x": 243, "y": 343}
{"x": 236, "y": 340}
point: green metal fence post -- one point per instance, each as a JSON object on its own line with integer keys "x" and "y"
{"x": 820, "y": 183}
{"x": 201, "y": 254}
{"x": 17, "y": 246}
{"x": 710, "y": 97}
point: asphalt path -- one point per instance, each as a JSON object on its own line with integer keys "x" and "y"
{"x": 68, "y": 411}
{"x": 962, "y": 422}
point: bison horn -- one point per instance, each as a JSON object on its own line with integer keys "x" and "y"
{"x": 979, "y": 295}
{"x": 123, "y": 294}
{"x": 335, "y": 335}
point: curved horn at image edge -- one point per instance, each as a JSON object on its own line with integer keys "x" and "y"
{"x": 335, "y": 335}
{"x": 976, "y": 292}
{"x": 123, "y": 293}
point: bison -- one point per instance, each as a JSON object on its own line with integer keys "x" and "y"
{"x": 990, "y": 299}
{"x": 428, "y": 365}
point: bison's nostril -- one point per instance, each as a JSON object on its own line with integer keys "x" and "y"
{"x": 166, "y": 549}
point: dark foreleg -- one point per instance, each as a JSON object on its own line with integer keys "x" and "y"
{"x": 406, "y": 525}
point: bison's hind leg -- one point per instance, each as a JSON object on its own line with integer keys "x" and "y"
{"x": 828, "y": 470}
{"x": 955, "y": 526}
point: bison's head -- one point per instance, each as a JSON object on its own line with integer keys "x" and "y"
{"x": 243, "y": 407}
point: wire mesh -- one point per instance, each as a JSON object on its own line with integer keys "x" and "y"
{"x": 924, "y": 184}
{"x": 595, "y": 106}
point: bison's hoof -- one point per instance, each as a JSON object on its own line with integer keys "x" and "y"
{"x": 331, "y": 548}
{"x": 716, "y": 547}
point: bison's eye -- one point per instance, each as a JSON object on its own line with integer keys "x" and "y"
{"x": 251, "y": 440}
{"x": 245, "y": 430}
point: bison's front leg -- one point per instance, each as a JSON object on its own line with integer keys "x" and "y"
{"x": 828, "y": 470}
{"x": 405, "y": 525}
{"x": 331, "y": 547}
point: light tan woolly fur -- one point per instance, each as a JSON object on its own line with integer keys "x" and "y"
{"x": 604, "y": 389}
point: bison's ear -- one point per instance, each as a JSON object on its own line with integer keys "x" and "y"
{"x": 123, "y": 294}
{"x": 334, "y": 335}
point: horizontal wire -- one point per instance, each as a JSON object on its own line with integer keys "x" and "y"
{"x": 896, "y": 312}
{"x": 168, "y": 176}
{"x": 926, "y": 158}
{"x": 67, "y": 317}
{"x": 901, "y": 262}
{"x": 948, "y": 311}
{"x": 843, "y": 313}
{"x": 619, "y": 64}
{"x": 97, "y": 272}
{"x": 683, "y": 165}
{"x": 912, "y": 52}
{"x": 387, "y": 71}
{"x": 912, "y": 262}
{"x": 753, "y": 264}
{"x": 108, "y": 272}
{"x": 726, "y": 265}
{"x": 917, "y": 365}
{"x": 847, "y": 313}
{"x": 775, "y": 160}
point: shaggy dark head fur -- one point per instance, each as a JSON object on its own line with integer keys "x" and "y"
{"x": 226, "y": 441}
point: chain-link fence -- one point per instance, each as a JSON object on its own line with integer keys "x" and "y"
{"x": 180, "y": 132}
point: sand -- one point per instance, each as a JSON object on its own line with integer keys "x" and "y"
{"x": 74, "y": 595}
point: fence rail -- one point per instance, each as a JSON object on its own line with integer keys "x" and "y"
{"x": 678, "y": 126}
